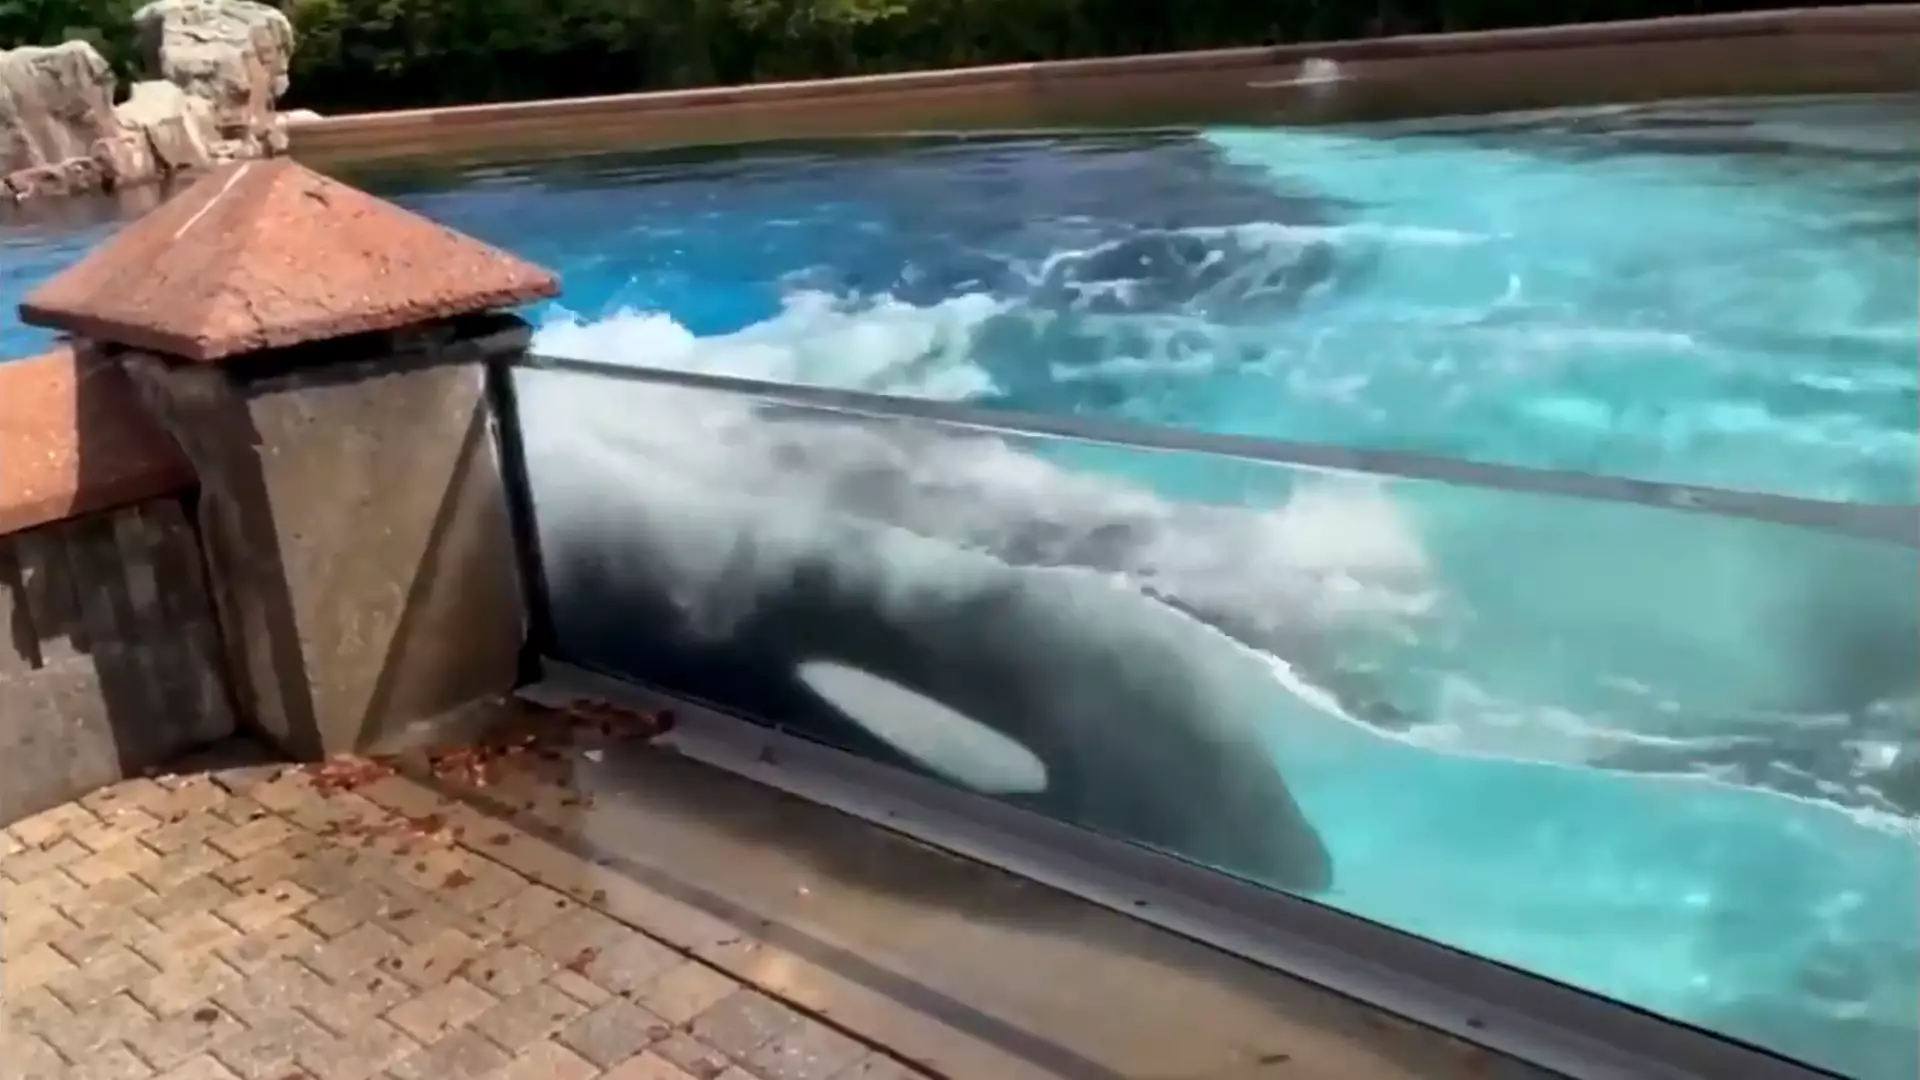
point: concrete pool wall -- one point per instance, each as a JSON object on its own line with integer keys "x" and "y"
{"x": 1799, "y": 51}
{"x": 111, "y": 660}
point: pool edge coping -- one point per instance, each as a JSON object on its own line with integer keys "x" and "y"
{"x": 888, "y": 103}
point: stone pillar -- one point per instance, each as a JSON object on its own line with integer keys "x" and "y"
{"x": 325, "y": 360}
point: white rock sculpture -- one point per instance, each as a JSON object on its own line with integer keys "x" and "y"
{"x": 221, "y": 65}
{"x": 232, "y": 54}
{"x": 56, "y": 120}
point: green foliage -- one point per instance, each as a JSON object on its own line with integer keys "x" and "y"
{"x": 108, "y": 24}
{"x": 357, "y": 54}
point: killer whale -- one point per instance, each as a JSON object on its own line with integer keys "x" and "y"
{"x": 1130, "y": 713}
{"x": 1362, "y": 597}
{"x": 1143, "y": 725}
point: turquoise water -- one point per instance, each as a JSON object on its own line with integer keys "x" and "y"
{"x": 33, "y": 249}
{"x": 1673, "y": 761}
{"x": 1725, "y": 295}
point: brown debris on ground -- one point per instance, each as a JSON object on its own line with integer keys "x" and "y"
{"x": 613, "y": 722}
{"x": 545, "y": 735}
{"x": 582, "y": 960}
{"x": 345, "y": 772}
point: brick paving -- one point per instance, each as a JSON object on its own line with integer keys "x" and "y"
{"x": 248, "y": 925}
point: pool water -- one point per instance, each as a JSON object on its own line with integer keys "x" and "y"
{"x": 1717, "y": 293}
{"x": 33, "y": 249}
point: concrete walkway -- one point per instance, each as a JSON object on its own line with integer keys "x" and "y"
{"x": 531, "y": 894}
{"x": 303, "y": 924}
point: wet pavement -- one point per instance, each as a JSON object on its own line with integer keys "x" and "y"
{"x": 276, "y": 923}
{"x": 560, "y": 895}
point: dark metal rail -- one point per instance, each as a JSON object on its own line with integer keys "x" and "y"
{"x": 1888, "y": 523}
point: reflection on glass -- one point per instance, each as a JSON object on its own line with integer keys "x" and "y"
{"x": 1667, "y": 757}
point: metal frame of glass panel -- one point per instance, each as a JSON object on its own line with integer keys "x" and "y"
{"x": 1545, "y": 1023}
{"x": 1887, "y": 523}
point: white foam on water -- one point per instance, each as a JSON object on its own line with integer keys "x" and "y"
{"x": 1470, "y": 341}
{"x": 1336, "y": 555}
{"x": 881, "y": 347}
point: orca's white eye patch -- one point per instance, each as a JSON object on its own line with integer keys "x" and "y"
{"x": 936, "y": 736}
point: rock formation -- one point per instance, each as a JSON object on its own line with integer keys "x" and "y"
{"x": 231, "y": 54}
{"x": 177, "y": 129}
{"x": 222, "y": 64}
{"x": 56, "y": 120}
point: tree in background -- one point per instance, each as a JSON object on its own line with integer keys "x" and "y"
{"x": 107, "y": 24}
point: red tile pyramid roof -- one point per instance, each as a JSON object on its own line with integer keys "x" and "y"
{"x": 265, "y": 254}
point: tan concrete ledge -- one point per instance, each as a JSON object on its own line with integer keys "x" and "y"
{"x": 74, "y": 440}
{"x": 1824, "y": 50}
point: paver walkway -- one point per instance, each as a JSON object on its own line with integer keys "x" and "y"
{"x": 298, "y": 924}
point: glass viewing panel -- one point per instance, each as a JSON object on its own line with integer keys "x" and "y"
{"x": 1667, "y": 757}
